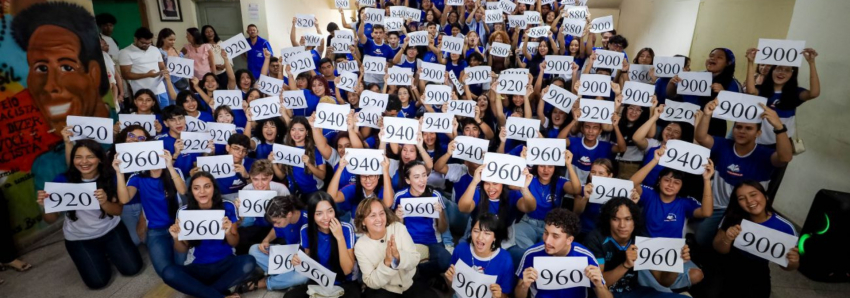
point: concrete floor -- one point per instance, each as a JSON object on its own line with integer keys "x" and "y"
{"x": 54, "y": 275}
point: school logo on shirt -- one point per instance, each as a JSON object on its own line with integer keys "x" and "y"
{"x": 670, "y": 217}
{"x": 734, "y": 170}
{"x": 479, "y": 269}
{"x": 585, "y": 160}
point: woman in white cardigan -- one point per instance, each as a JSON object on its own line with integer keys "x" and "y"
{"x": 386, "y": 254}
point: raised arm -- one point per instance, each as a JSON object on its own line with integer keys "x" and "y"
{"x": 701, "y": 135}
{"x": 814, "y": 80}
{"x": 639, "y": 138}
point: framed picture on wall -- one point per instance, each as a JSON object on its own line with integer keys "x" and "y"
{"x": 169, "y": 10}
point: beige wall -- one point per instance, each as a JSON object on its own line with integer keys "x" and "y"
{"x": 190, "y": 19}
{"x": 283, "y": 11}
{"x": 737, "y": 25}
{"x": 823, "y": 122}
{"x": 666, "y": 26}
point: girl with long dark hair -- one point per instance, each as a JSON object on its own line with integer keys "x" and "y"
{"x": 366, "y": 186}
{"x": 672, "y": 131}
{"x": 633, "y": 117}
{"x": 482, "y": 251}
{"x": 499, "y": 201}
{"x": 311, "y": 177}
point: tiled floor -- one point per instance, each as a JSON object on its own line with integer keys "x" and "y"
{"x": 54, "y": 275}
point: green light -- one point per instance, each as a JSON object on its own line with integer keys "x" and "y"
{"x": 827, "y": 225}
{"x": 802, "y": 241}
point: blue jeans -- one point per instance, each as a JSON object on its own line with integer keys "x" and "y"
{"x": 707, "y": 228}
{"x": 528, "y": 231}
{"x": 639, "y": 292}
{"x": 439, "y": 260}
{"x": 94, "y": 257}
{"x": 280, "y": 281}
{"x": 130, "y": 218}
{"x": 161, "y": 250}
{"x": 209, "y": 280}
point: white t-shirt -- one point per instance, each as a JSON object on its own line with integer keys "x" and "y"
{"x": 113, "y": 47}
{"x": 110, "y": 67}
{"x": 89, "y": 225}
{"x": 281, "y": 189}
{"x": 141, "y": 62}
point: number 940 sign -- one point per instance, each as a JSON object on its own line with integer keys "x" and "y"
{"x": 684, "y": 156}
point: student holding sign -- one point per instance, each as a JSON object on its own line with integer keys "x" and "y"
{"x": 330, "y": 242}
{"x": 174, "y": 118}
{"x": 589, "y": 213}
{"x": 742, "y": 272}
{"x": 559, "y": 241}
{"x": 237, "y": 146}
{"x": 263, "y": 137}
{"x": 308, "y": 179}
{"x": 633, "y": 118}
{"x": 739, "y": 159}
{"x": 647, "y": 144}
{"x": 589, "y": 148}
{"x": 193, "y": 106}
{"x": 144, "y": 103}
{"x": 365, "y": 187}
{"x": 253, "y": 229}
{"x": 613, "y": 245}
{"x": 314, "y": 50}
{"x": 215, "y": 269}
{"x": 386, "y": 254}
{"x": 287, "y": 215}
{"x": 483, "y": 253}
{"x": 500, "y": 200}
{"x": 95, "y": 239}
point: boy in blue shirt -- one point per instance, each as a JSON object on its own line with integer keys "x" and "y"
{"x": 237, "y": 146}
{"x": 174, "y": 118}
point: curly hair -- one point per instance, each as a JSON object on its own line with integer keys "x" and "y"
{"x": 564, "y": 219}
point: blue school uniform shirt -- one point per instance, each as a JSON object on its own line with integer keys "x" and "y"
{"x": 221, "y": 149}
{"x": 456, "y": 68}
{"x": 263, "y": 150}
{"x": 213, "y": 251}
{"x": 732, "y": 169}
{"x": 407, "y": 64}
{"x": 255, "y": 55}
{"x": 409, "y": 111}
{"x": 346, "y": 178}
{"x": 589, "y": 216}
{"x": 422, "y": 230}
{"x": 546, "y": 200}
{"x": 239, "y": 118}
{"x": 350, "y": 194}
{"x": 185, "y": 161}
{"x": 373, "y": 49}
{"x": 499, "y": 264}
{"x": 232, "y": 184}
{"x": 661, "y": 89}
{"x": 775, "y": 222}
{"x": 584, "y": 156}
{"x": 312, "y": 103}
{"x": 152, "y": 194}
{"x": 204, "y": 116}
{"x": 324, "y": 245}
{"x": 461, "y": 185}
{"x": 292, "y": 232}
{"x": 666, "y": 219}
{"x": 513, "y": 198}
{"x": 429, "y": 57}
{"x": 538, "y": 250}
{"x": 301, "y": 181}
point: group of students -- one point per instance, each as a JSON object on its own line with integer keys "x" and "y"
{"x": 353, "y": 224}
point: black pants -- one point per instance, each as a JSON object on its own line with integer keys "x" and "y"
{"x": 419, "y": 289}
{"x": 249, "y": 236}
{"x": 351, "y": 288}
{"x": 93, "y": 257}
{"x": 8, "y": 253}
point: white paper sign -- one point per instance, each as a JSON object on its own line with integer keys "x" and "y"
{"x": 196, "y": 142}
{"x": 374, "y": 65}
{"x": 280, "y": 256}
{"x": 344, "y": 4}
{"x": 369, "y": 117}
{"x": 609, "y": 59}
{"x": 739, "y": 107}
{"x": 668, "y": 67}
{"x": 661, "y": 254}
{"x": 201, "y": 225}
{"x": 532, "y": 46}
{"x": 537, "y": 32}
{"x": 145, "y": 121}
{"x": 508, "y": 7}
{"x": 595, "y": 85}
{"x": 437, "y": 94}
{"x": 235, "y": 46}
{"x": 544, "y": 151}
{"x": 560, "y": 98}
{"x": 679, "y": 111}
{"x": 433, "y": 72}
{"x": 521, "y": 129}
{"x": 492, "y": 6}
{"x": 397, "y": 11}
{"x": 347, "y": 81}
{"x": 418, "y": 38}
{"x": 345, "y": 34}
{"x": 364, "y": 161}
{"x": 195, "y": 125}
{"x": 560, "y": 65}
{"x": 597, "y": 111}
{"x": 287, "y": 155}
{"x": 522, "y": 71}
{"x": 305, "y": 21}
{"x": 348, "y": 66}
{"x": 463, "y": 108}
{"x": 694, "y": 83}
{"x": 374, "y": 16}
{"x": 420, "y": 207}
{"x": 265, "y": 108}
{"x": 437, "y": 122}
{"x": 603, "y": 24}
{"x": 374, "y": 99}
{"x": 315, "y": 271}
{"x": 504, "y": 168}
{"x": 221, "y": 132}
{"x": 294, "y": 99}
{"x": 640, "y": 73}
{"x": 312, "y": 39}
{"x": 517, "y": 22}
{"x": 468, "y": 283}
{"x": 412, "y": 14}
{"x": 400, "y": 130}
{"x": 685, "y": 156}
{"x": 470, "y": 149}
{"x": 181, "y": 67}
{"x": 780, "y": 52}
{"x": 367, "y": 3}
{"x": 492, "y": 16}
{"x": 555, "y": 273}
{"x": 220, "y": 166}
{"x": 290, "y": 52}
{"x": 532, "y": 17}
{"x": 456, "y": 82}
{"x": 399, "y": 76}
{"x": 393, "y": 24}
{"x": 764, "y": 242}
{"x": 230, "y": 98}
{"x": 253, "y": 203}
{"x": 499, "y": 49}
{"x": 341, "y": 46}
{"x": 639, "y": 94}
{"x": 332, "y": 116}
{"x": 301, "y": 62}
{"x": 70, "y": 196}
{"x": 91, "y": 128}
{"x": 576, "y": 13}
{"x": 478, "y": 75}
{"x": 512, "y": 84}
{"x": 605, "y": 189}
{"x": 140, "y": 156}
{"x": 574, "y": 27}
{"x": 452, "y": 45}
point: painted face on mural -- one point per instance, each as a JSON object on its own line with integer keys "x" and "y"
{"x": 60, "y": 83}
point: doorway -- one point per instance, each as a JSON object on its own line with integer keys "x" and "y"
{"x": 129, "y": 15}
{"x": 226, "y": 17}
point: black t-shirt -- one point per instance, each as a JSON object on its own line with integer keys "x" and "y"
{"x": 609, "y": 253}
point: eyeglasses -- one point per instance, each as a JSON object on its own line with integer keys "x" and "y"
{"x": 131, "y": 136}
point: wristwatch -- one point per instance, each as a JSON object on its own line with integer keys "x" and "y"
{"x": 779, "y": 131}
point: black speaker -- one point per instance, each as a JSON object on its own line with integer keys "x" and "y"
{"x": 824, "y": 238}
